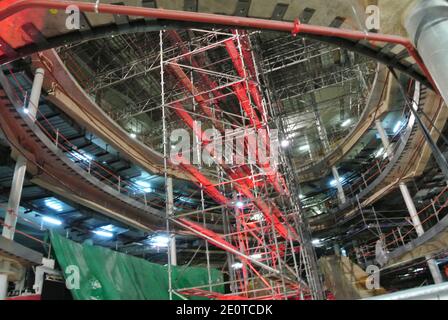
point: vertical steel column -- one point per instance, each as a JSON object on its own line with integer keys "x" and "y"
{"x": 15, "y": 193}
{"x": 384, "y": 138}
{"x": 341, "y": 194}
{"x": 433, "y": 268}
{"x": 3, "y": 286}
{"x": 427, "y": 26}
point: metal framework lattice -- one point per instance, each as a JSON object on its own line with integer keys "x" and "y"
{"x": 269, "y": 253}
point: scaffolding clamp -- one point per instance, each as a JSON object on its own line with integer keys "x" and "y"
{"x": 296, "y": 28}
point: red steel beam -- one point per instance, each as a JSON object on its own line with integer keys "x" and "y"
{"x": 240, "y": 90}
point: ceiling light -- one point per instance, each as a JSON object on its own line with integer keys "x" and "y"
{"x": 26, "y": 110}
{"x": 237, "y": 265}
{"x": 333, "y": 182}
{"x": 145, "y": 185}
{"x": 301, "y": 196}
{"x": 379, "y": 153}
{"x": 316, "y": 242}
{"x": 84, "y": 156}
{"x": 109, "y": 227}
{"x": 54, "y": 204}
{"x": 52, "y": 220}
{"x": 133, "y": 135}
{"x": 105, "y": 234}
{"x": 304, "y": 148}
{"x": 239, "y": 204}
{"x": 160, "y": 241}
{"x": 284, "y": 143}
{"x": 256, "y": 256}
{"x": 346, "y": 122}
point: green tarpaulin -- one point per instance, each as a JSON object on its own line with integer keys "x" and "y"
{"x": 105, "y": 274}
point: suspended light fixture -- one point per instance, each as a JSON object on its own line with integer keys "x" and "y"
{"x": 159, "y": 241}
{"x": 346, "y": 123}
{"x": 284, "y": 143}
{"x": 52, "y": 220}
{"x": 103, "y": 233}
{"x": 237, "y": 265}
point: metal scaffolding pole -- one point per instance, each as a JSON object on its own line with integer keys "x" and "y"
{"x": 168, "y": 181}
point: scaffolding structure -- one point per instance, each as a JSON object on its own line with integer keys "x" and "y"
{"x": 269, "y": 252}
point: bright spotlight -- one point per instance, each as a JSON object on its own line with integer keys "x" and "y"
{"x": 237, "y": 265}
{"x": 284, "y": 143}
{"x": 160, "y": 241}
{"x": 379, "y": 153}
{"x": 239, "y": 204}
{"x": 346, "y": 123}
{"x": 103, "y": 233}
{"x": 52, "y": 221}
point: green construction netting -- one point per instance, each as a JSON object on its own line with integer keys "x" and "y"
{"x": 109, "y": 275}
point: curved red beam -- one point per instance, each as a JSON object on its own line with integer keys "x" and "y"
{"x": 243, "y": 22}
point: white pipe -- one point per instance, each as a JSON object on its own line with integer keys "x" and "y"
{"x": 427, "y": 26}
{"x": 411, "y": 209}
{"x": 432, "y": 292}
{"x": 3, "y": 286}
{"x": 15, "y": 194}
{"x": 33, "y": 104}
